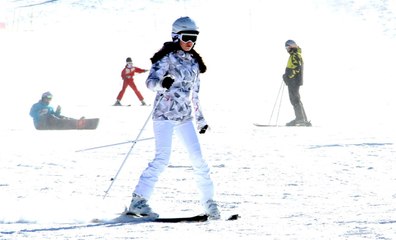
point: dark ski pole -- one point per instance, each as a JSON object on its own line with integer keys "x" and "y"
{"x": 133, "y": 145}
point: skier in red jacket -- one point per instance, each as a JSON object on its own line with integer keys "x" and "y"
{"x": 127, "y": 75}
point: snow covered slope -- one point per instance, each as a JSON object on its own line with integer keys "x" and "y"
{"x": 332, "y": 181}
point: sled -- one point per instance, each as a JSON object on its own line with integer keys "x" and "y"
{"x": 71, "y": 124}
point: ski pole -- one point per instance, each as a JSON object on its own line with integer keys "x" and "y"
{"x": 280, "y": 103}
{"x": 276, "y": 101}
{"x": 114, "y": 144}
{"x": 134, "y": 143}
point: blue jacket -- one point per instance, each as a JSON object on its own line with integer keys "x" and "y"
{"x": 41, "y": 109}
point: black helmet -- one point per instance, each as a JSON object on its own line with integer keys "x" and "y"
{"x": 129, "y": 59}
{"x": 46, "y": 95}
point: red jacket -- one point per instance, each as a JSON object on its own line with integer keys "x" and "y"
{"x": 128, "y": 73}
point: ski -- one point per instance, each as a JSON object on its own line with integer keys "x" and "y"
{"x": 197, "y": 218}
{"x": 273, "y": 125}
{"x": 129, "y": 105}
{"x": 135, "y": 218}
{"x": 131, "y": 218}
{"x": 122, "y": 105}
{"x": 267, "y": 125}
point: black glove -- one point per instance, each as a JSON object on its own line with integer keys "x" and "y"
{"x": 285, "y": 79}
{"x": 203, "y": 129}
{"x": 167, "y": 82}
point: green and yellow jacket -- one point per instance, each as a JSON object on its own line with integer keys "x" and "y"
{"x": 294, "y": 69}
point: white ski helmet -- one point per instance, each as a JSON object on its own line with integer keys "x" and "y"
{"x": 184, "y": 24}
{"x": 289, "y": 42}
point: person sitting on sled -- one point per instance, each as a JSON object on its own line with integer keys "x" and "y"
{"x": 43, "y": 113}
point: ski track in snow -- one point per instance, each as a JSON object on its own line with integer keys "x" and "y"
{"x": 332, "y": 181}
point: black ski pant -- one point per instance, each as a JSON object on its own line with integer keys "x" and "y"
{"x": 295, "y": 100}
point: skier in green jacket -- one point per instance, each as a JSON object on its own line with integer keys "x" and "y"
{"x": 293, "y": 78}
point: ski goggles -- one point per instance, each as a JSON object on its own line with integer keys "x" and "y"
{"x": 188, "y": 37}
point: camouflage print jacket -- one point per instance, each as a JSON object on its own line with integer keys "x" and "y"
{"x": 181, "y": 99}
{"x": 294, "y": 69}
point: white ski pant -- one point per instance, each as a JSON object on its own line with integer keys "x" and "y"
{"x": 163, "y": 131}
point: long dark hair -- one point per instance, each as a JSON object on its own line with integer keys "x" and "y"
{"x": 169, "y": 47}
